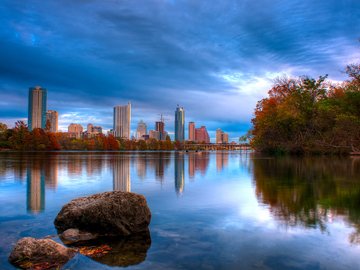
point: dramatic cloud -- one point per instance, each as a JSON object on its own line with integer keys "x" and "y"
{"x": 214, "y": 58}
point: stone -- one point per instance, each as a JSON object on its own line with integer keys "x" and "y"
{"x": 72, "y": 236}
{"x": 114, "y": 213}
{"x": 30, "y": 253}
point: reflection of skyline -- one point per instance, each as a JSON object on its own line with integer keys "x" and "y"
{"x": 51, "y": 173}
{"x": 121, "y": 174}
{"x": 198, "y": 161}
{"x": 222, "y": 160}
{"x": 179, "y": 173}
{"x": 35, "y": 187}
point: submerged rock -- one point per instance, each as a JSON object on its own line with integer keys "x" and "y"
{"x": 30, "y": 253}
{"x": 124, "y": 251}
{"x": 114, "y": 213}
{"x": 71, "y": 236}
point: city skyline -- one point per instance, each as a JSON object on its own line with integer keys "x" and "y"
{"x": 121, "y": 123}
{"x": 223, "y": 57}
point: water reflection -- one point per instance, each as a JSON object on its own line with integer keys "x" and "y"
{"x": 310, "y": 192}
{"x": 179, "y": 173}
{"x": 222, "y": 160}
{"x": 124, "y": 251}
{"x": 35, "y": 187}
{"x": 121, "y": 173}
{"x": 198, "y": 161}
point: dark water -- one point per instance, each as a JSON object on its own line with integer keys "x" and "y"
{"x": 221, "y": 210}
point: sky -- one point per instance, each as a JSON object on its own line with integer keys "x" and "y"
{"x": 214, "y": 58}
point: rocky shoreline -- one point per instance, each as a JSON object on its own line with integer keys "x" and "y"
{"x": 110, "y": 227}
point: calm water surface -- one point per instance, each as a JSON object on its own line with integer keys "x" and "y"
{"x": 216, "y": 210}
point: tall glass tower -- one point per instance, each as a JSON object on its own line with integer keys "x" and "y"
{"x": 179, "y": 124}
{"x": 37, "y": 107}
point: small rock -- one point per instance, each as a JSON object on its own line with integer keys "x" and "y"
{"x": 29, "y": 253}
{"x": 115, "y": 213}
{"x": 71, "y": 236}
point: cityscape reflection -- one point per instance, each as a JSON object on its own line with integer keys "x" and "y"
{"x": 35, "y": 187}
{"x": 179, "y": 173}
{"x": 121, "y": 173}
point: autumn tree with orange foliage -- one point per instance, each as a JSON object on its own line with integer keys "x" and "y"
{"x": 306, "y": 115}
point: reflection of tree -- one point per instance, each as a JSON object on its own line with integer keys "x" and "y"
{"x": 18, "y": 168}
{"x": 308, "y": 191}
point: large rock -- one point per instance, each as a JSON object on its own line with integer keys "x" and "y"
{"x": 115, "y": 213}
{"x": 30, "y": 253}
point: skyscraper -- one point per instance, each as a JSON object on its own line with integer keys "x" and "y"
{"x": 221, "y": 136}
{"x": 141, "y": 130}
{"x": 191, "y": 131}
{"x": 37, "y": 107}
{"x": 201, "y": 135}
{"x": 52, "y": 117}
{"x": 122, "y": 120}
{"x": 179, "y": 124}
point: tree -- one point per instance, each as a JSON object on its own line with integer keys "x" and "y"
{"x": 20, "y": 139}
{"x": 309, "y": 115}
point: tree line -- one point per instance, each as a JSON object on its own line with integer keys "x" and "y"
{"x": 307, "y": 115}
{"x": 21, "y": 139}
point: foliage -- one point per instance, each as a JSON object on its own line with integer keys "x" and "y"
{"x": 309, "y": 115}
{"x": 20, "y": 138}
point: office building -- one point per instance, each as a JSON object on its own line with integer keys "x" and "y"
{"x": 52, "y": 117}
{"x": 75, "y": 130}
{"x": 37, "y": 107}
{"x": 122, "y": 121}
{"x": 221, "y": 136}
{"x": 92, "y": 131}
{"x": 201, "y": 135}
{"x": 141, "y": 130}
{"x": 179, "y": 124}
{"x": 191, "y": 131}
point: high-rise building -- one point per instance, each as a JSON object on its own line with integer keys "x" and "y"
{"x": 122, "y": 121}
{"x": 92, "y": 131}
{"x": 201, "y": 135}
{"x": 75, "y": 130}
{"x": 191, "y": 131}
{"x": 52, "y": 117}
{"x": 225, "y": 138}
{"x": 141, "y": 130}
{"x": 221, "y": 136}
{"x": 218, "y": 135}
{"x": 37, "y": 107}
{"x": 179, "y": 124}
{"x": 160, "y": 127}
